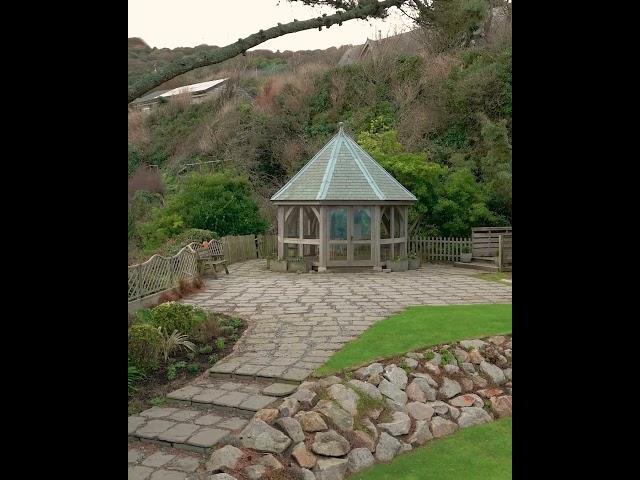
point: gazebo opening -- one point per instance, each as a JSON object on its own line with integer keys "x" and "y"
{"x": 342, "y": 209}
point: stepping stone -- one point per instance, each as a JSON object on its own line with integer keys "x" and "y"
{"x": 167, "y": 475}
{"x": 208, "y": 396}
{"x": 184, "y": 393}
{"x": 248, "y": 369}
{"x": 158, "y": 459}
{"x": 157, "y": 412}
{"x": 135, "y": 422}
{"x": 233, "y": 423}
{"x": 223, "y": 368}
{"x": 232, "y": 399}
{"x": 279, "y": 389}
{"x": 296, "y": 374}
{"x": 184, "y": 415}
{"x": 139, "y": 473}
{"x": 207, "y": 437}
{"x": 135, "y": 456}
{"x": 179, "y": 433}
{"x": 185, "y": 464}
{"x": 230, "y": 386}
{"x": 154, "y": 428}
{"x": 256, "y": 402}
{"x": 271, "y": 372}
{"x": 207, "y": 420}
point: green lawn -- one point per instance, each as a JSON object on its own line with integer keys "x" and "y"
{"x": 419, "y": 327}
{"x": 480, "y": 452}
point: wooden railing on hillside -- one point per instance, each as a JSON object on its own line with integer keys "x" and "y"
{"x": 438, "y": 249}
{"x": 162, "y": 273}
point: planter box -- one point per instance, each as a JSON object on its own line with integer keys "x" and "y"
{"x": 297, "y": 267}
{"x": 399, "y": 266}
{"x": 278, "y": 265}
{"x": 414, "y": 263}
{"x": 465, "y": 257}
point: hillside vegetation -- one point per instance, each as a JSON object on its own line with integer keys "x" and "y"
{"x": 438, "y": 119}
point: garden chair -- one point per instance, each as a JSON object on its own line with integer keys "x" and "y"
{"x": 210, "y": 257}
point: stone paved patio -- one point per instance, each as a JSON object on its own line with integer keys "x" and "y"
{"x": 296, "y": 321}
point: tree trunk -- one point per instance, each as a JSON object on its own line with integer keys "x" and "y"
{"x": 152, "y": 80}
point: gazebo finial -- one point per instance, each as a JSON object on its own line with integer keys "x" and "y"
{"x": 341, "y": 127}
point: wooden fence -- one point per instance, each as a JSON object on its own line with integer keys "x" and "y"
{"x": 162, "y": 273}
{"x": 505, "y": 251}
{"x": 485, "y": 240}
{"x": 438, "y": 249}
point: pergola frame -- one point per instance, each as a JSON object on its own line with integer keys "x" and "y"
{"x": 341, "y": 252}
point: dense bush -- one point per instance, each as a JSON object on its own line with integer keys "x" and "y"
{"x": 219, "y": 203}
{"x": 145, "y": 347}
{"x": 176, "y": 316}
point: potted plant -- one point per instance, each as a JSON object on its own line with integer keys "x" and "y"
{"x": 465, "y": 254}
{"x": 398, "y": 264}
{"x": 270, "y": 258}
{"x": 298, "y": 264}
{"x": 414, "y": 261}
{"x": 278, "y": 265}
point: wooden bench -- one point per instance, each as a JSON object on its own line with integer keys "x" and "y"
{"x": 210, "y": 257}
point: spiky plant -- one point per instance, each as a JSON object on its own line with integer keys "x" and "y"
{"x": 134, "y": 375}
{"x": 173, "y": 342}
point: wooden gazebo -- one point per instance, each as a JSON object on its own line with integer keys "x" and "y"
{"x": 342, "y": 209}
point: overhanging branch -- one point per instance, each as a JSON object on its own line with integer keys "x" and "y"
{"x": 184, "y": 65}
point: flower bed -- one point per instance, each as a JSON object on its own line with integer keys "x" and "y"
{"x": 172, "y": 343}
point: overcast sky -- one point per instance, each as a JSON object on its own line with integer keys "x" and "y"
{"x": 187, "y": 23}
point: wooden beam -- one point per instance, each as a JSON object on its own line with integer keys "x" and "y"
{"x": 281, "y": 232}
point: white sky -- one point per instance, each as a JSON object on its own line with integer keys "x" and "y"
{"x": 187, "y": 23}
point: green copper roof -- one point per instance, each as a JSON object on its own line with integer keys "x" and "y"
{"x": 342, "y": 170}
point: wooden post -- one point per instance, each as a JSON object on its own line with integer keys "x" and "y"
{"x": 500, "y": 253}
{"x": 280, "y": 231}
{"x": 322, "y": 247}
{"x": 301, "y": 232}
{"x": 405, "y": 211}
{"x": 139, "y": 289}
{"x": 375, "y": 238}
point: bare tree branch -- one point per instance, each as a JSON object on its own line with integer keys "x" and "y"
{"x": 364, "y": 10}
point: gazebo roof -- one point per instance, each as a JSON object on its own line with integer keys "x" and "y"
{"x": 342, "y": 170}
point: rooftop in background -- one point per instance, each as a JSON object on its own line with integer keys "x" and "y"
{"x": 194, "y": 88}
{"x": 342, "y": 170}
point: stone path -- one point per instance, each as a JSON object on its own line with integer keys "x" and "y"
{"x": 296, "y": 321}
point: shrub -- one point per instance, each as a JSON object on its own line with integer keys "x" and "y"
{"x": 215, "y": 202}
{"x": 176, "y": 316}
{"x": 169, "y": 296}
{"x": 193, "y": 368}
{"x": 145, "y": 346}
{"x": 134, "y": 376}
{"x": 204, "y": 332}
{"x": 220, "y": 344}
{"x": 147, "y": 179}
{"x": 174, "y": 341}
